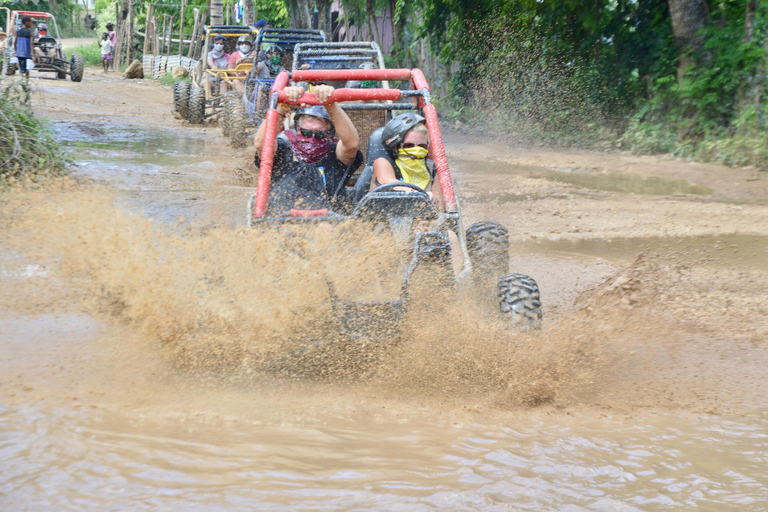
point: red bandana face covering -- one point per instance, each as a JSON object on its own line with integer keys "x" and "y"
{"x": 308, "y": 149}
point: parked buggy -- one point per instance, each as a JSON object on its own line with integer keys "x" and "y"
{"x": 400, "y": 215}
{"x": 48, "y": 57}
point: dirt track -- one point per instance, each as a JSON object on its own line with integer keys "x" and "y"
{"x": 653, "y": 274}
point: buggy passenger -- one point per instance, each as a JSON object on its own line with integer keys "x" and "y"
{"x": 244, "y": 54}
{"x": 311, "y": 167}
{"x": 270, "y": 67}
{"x": 406, "y": 140}
{"x": 362, "y": 84}
{"x": 217, "y": 59}
{"x": 42, "y": 31}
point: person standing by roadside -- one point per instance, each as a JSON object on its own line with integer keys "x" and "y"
{"x": 112, "y": 42}
{"x": 106, "y": 51}
{"x": 23, "y": 44}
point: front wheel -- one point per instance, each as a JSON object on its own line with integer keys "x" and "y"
{"x": 181, "y": 90}
{"x": 197, "y": 106}
{"x": 238, "y": 122}
{"x": 77, "y": 68}
{"x": 520, "y": 301}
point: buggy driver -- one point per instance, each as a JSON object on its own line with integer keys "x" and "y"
{"x": 310, "y": 165}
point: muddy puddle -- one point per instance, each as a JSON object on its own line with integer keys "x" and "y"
{"x": 736, "y": 250}
{"x": 583, "y": 178}
{"x": 167, "y": 173}
{"x": 617, "y": 407}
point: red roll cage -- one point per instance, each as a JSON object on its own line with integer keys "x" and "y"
{"x": 33, "y": 14}
{"x": 421, "y": 99}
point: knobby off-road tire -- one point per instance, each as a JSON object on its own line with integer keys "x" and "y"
{"x": 77, "y": 68}
{"x": 226, "y": 113}
{"x": 197, "y": 106}
{"x": 238, "y": 123}
{"x": 183, "y": 92}
{"x": 520, "y": 301}
{"x": 250, "y": 84}
{"x": 175, "y": 108}
{"x": 488, "y": 247}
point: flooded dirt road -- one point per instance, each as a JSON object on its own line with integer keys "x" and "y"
{"x": 136, "y": 311}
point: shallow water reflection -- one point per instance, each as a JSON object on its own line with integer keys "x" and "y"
{"x": 71, "y": 460}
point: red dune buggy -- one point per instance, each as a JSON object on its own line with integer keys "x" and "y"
{"x": 484, "y": 246}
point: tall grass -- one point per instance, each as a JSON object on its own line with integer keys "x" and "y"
{"x": 91, "y": 53}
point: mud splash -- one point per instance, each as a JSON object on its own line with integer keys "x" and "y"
{"x": 231, "y": 302}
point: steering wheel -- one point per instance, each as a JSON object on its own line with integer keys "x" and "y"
{"x": 389, "y": 186}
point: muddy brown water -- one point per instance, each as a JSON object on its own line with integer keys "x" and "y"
{"x": 633, "y": 411}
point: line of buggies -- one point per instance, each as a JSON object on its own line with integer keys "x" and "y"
{"x": 238, "y": 98}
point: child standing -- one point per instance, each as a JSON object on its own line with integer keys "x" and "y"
{"x": 112, "y": 40}
{"x": 23, "y": 44}
{"x": 106, "y": 51}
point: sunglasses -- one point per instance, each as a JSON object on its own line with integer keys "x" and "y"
{"x": 409, "y": 145}
{"x": 312, "y": 133}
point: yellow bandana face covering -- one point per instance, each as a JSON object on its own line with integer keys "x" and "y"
{"x": 412, "y": 163}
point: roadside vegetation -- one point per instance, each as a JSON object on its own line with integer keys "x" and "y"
{"x": 168, "y": 79}
{"x": 91, "y": 52}
{"x": 28, "y": 151}
{"x": 614, "y": 74}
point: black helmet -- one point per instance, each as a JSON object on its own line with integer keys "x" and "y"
{"x": 314, "y": 111}
{"x": 245, "y": 39}
{"x": 275, "y": 49}
{"x": 392, "y": 134}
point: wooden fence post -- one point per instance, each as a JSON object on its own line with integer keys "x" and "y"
{"x": 170, "y": 39}
{"x": 162, "y": 35}
{"x": 194, "y": 33}
{"x": 147, "y": 31}
{"x": 181, "y": 27}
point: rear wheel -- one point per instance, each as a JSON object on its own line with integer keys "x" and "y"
{"x": 77, "y": 68}
{"x": 250, "y": 84}
{"x": 226, "y": 113}
{"x": 182, "y": 90}
{"x": 520, "y": 301}
{"x": 197, "y": 106}
{"x": 488, "y": 247}
{"x": 238, "y": 122}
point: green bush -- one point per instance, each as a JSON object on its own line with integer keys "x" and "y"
{"x": 28, "y": 151}
{"x": 91, "y": 53}
{"x": 167, "y": 79}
